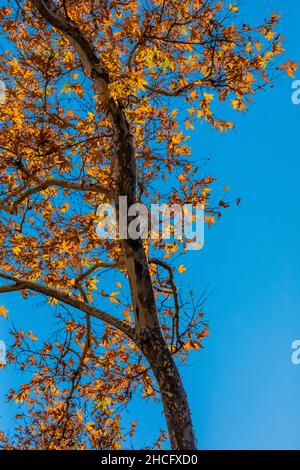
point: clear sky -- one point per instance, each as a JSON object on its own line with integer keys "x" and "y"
{"x": 243, "y": 388}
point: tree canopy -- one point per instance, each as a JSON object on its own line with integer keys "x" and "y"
{"x": 101, "y": 99}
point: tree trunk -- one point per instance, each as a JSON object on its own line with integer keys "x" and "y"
{"x": 148, "y": 332}
{"x": 155, "y": 349}
{"x": 173, "y": 396}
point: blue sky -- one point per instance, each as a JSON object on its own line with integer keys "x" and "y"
{"x": 243, "y": 388}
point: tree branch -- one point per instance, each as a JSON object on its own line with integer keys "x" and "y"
{"x": 20, "y": 284}
{"x": 174, "y": 292}
{"x": 90, "y": 61}
{"x": 12, "y": 207}
{"x": 99, "y": 264}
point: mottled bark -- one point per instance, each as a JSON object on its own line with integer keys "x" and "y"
{"x": 173, "y": 396}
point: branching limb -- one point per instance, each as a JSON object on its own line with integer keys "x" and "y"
{"x": 98, "y": 265}
{"x": 76, "y": 377}
{"x": 20, "y": 284}
{"x": 90, "y": 61}
{"x": 174, "y": 292}
{"x": 12, "y": 207}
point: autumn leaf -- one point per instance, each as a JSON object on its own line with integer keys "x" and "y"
{"x": 233, "y": 7}
{"x": 112, "y": 298}
{"x": 210, "y": 220}
{"x": 66, "y": 88}
{"x": 65, "y": 207}
{"x": 190, "y": 344}
{"x": 183, "y": 178}
{"x": 270, "y": 35}
{"x": 3, "y": 311}
{"x": 208, "y": 96}
{"x": 79, "y": 415}
{"x": 89, "y": 426}
{"x": 181, "y": 269}
{"x": 133, "y": 428}
{"x": 144, "y": 79}
{"x": 290, "y": 67}
{"x": 32, "y": 336}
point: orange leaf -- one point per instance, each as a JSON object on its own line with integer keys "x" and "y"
{"x": 3, "y": 311}
{"x": 181, "y": 269}
{"x": 32, "y": 337}
{"x": 79, "y": 415}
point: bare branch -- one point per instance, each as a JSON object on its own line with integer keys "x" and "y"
{"x": 174, "y": 292}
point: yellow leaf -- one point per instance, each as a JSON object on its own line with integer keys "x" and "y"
{"x": 181, "y": 269}
{"x": 66, "y": 88}
{"x": 113, "y": 294}
{"x": 79, "y": 415}
{"x": 233, "y": 7}
{"x": 16, "y": 250}
{"x": 270, "y": 35}
{"x": 3, "y": 311}
{"x": 141, "y": 83}
{"x": 290, "y": 67}
{"x": 65, "y": 207}
{"x": 235, "y": 104}
{"x": 208, "y": 96}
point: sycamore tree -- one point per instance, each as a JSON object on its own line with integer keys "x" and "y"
{"x": 101, "y": 97}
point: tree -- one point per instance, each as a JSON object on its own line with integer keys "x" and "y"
{"x": 101, "y": 97}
